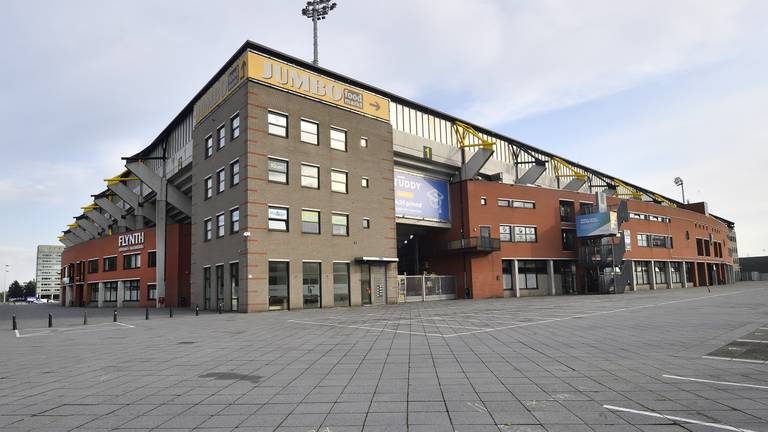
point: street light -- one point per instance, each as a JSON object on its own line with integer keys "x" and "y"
{"x": 5, "y": 281}
{"x": 317, "y": 10}
{"x": 679, "y": 182}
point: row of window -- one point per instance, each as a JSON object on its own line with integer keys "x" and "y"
{"x": 131, "y": 291}
{"x": 650, "y": 217}
{"x": 221, "y": 230}
{"x": 643, "y": 272}
{"x": 278, "y": 170}
{"x": 703, "y": 247}
{"x": 506, "y": 202}
{"x": 234, "y": 287}
{"x": 517, "y": 233}
{"x": 278, "y": 220}
{"x": 221, "y": 179}
{"x": 130, "y": 261}
{"x": 277, "y": 125}
{"x": 221, "y": 135}
{"x": 654, "y": 241}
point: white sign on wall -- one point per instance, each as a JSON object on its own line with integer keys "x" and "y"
{"x": 131, "y": 241}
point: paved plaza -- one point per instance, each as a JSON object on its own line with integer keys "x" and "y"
{"x": 633, "y": 362}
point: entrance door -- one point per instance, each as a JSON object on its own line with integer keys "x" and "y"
{"x": 378, "y": 284}
{"x": 485, "y": 236}
{"x": 365, "y": 284}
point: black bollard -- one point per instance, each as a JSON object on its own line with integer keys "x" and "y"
{"x": 85, "y": 318}
{"x": 197, "y": 310}
{"x": 114, "y": 316}
{"x": 15, "y": 327}
{"x": 170, "y": 311}
{"x": 146, "y": 313}
{"x": 50, "y": 320}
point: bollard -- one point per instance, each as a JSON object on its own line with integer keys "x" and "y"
{"x": 14, "y": 323}
{"x": 114, "y": 316}
{"x": 197, "y": 310}
{"x": 220, "y": 307}
{"x": 85, "y": 318}
{"x": 170, "y": 311}
{"x": 50, "y": 320}
{"x": 146, "y": 313}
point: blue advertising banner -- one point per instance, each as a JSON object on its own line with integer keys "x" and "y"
{"x": 421, "y": 197}
{"x": 596, "y": 224}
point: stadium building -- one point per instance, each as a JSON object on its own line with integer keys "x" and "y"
{"x": 283, "y": 185}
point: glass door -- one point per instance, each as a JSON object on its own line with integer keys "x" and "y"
{"x": 365, "y": 284}
{"x": 312, "y": 287}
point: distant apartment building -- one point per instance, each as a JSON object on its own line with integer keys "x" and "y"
{"x": 47, "y": 273}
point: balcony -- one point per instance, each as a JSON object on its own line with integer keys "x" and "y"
{"x": 472, "y": 245}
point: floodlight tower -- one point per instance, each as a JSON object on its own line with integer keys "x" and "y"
{"x": 317, "y": 10}
{"x": 679, "y": 182}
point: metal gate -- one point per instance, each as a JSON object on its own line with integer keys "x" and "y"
{"x": 425, "y": 288}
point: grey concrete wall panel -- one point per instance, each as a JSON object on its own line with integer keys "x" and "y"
{"x": 89, "y": 226}
{"x": 145, "y": 209}
{"x": 575, "y": 185}
{"x": 532, "y": 174}
{"x": 118, "y": 213}
{"x": 475, "y": 163}
{"x": 99, "y": 219}
{"x": 81, "y": 234}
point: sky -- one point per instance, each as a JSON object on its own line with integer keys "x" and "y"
{"x": 645, "y": 91}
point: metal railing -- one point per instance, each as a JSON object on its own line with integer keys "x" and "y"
{"x": 479, "y": 244}
{"x": 427, "y": 287}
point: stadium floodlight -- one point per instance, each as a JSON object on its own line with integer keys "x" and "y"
{"x": 679, "y": 182}
{"x": 317, "y": 10}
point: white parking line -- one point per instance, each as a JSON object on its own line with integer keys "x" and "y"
{"x": 471, "y": 319}
{"x": 677, "y": 419}
{"x": 69, "y": 330}
{"x": 733, "y": 359}
{"x": 752, "y": 340}
{"x": 715, "y": 382}
{"x": 365, "y": 328}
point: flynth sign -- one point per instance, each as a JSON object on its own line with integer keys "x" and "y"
{"x": 132, "y": 241}
{"x": 293, "y": 79}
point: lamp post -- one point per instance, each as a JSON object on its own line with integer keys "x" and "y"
{"x": 317, "y": 10}
{"x": 679, "y": 182}
{"x": 5, "y": 281}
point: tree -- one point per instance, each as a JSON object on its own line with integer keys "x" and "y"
{"x": 30, "y": 289}
{"x": 15, "y": 290}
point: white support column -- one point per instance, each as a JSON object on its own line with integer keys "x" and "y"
{"x": 551, "y": 276}
{"x": 515, "y": 284}
{"x": 633, "y": 278}
{"x": 101, "y": 294}
{"x": 669, "y": 274}
{"x": 120, "y": 290}
{"x": 683, "y": 275}
{"x": 653, "y": 274}
{"x": 70, "y": 293}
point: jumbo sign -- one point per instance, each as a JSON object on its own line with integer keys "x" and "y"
{"x": 294, "y": 79}
{"x": 132, "y": 241}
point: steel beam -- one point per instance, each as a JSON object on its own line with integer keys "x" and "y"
{"x": 174, "y": 196}
{"x": 475, "y": 163}
{"x": 532, "y": 174}
{"x": 99, "y": 219}
{"x": 145, "y": 209}
{"x": 81, "y": 233}
{"x": 89, "y": 227}
{"x": 72, "y": 238}
{"x": 123, "y": 220}
{"x": 66, "y": 242}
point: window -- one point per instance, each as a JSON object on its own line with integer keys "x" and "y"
{"x": 220, "y": 225}
{"x": 363, "y": 142}
{"x": 93, "y": 266}
{"x": 234, "y": 220}
{"x": 207, "y": 230}
{"x": 567, "y": 211}
{"x": 110, "y": 291}
{"x": 309, "y": 132}
{"x": 642, "y": 240}
{"x": 505, "y": 233}
{"x": 341, "y": 284}
{"x": 277, "y": 170}
{"x": 338, "y": 139}
{"x": 569, "y": 239}
{"x": 642, "y": 274}
{"x": 208, "y": 184}
{"x": 528, "y": 273}
{"x": 312, "y": 285}
{"x": 310, "y": 221}
{"x": 234, "y": 173}
{"x": 219, "y": 286}
{"x": 206, "y": 288}
{"x": 338, "y": 181}
{"x": 152, "y": 259}
{"x": 151, "y": 291}
{"x": 502, "y": 202}
{"x": 234, "y": 126}
{"x": 110, "y": 263}
{"x": 506, "y": 271}
{"x": 483, "y": 201}
{"x": 234, "y": 285}
{"x": 525, "y": 234}
{"x": 131, "y": 261}
{"x": 131, "y": 290}
{"x": 94, "y": 292}
{"x": 505, "y": 202}
{"x": 340, "y": 224}
{"x": 364, "y": 182}
{"x": 586, "y": 208}
{"x": 674, "y": 268}
{"x": 221, "y": 137}
{"x": 661, "y": 241}
{"x": 208, "y": 146}
{"x": 310, "y": 176}
{"x": 221, "y": 181}
{"x": 278, "y": 219}
{"x": 277, "y": 124}
{"x": 278, "y": 285}
{"x": 660, "y": 272}
{"x": 366, "y": 223}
